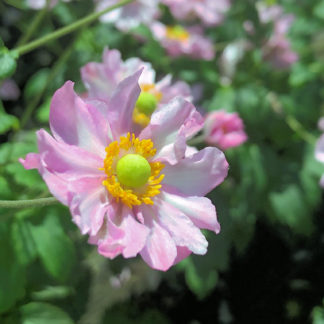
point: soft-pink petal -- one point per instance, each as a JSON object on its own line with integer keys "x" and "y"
{"x": 169, "y": 128}
{"x": 200, "y": 210}
{"x": 75, "y": 122}
{"x": 88, "y": 204}
{"x": 197, "y": 174}
{"x": 160, "y": 251}
{"x": 122, "y": 103}
{"x": 180, "y": 227}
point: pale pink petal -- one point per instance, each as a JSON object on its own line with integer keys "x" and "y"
{"x": 68, "y": 161}
{"x": 101, "y": 79}
{"x": 75, "y": 122}
{"x": 160, "y": 251}
{"x": 198, "y": 174}
{"x": 182, "y": 253}
{"x": 122, "y": 103}
{"x": 31, "y": 161}
{"x": 200, "y": 210}
{"x": 170, "y": 126}
{"x": 88, "y": 204}
{"x": 135, "y": 233}
{"x": 180, "y": 227}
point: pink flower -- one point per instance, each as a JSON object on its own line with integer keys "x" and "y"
{"x": 224, "y": 129}
{"x": 277, "y": 50}
{"x": 131, "y": 15}
{"x": 211, "y": 12}
{"x": 101, "y": 79}
{"x": 130, "y": 194}
{"x": 178, "y": 41}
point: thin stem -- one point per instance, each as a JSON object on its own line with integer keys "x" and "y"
{"x": 34, "y": 25}
{"x": 68, "y": 29}
{"x": 41, "y": 202}
{"x": 297, "y": 127}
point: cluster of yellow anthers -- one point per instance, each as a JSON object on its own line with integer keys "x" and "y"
{"x": 130, "y": 196}
{"x": 139, "y": 117}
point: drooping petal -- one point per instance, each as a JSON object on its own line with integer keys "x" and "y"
{"x": 169, "y": 128}
{"x": 160, "y": 251}
{"x": 197, "y": 174}
{"x": 180, "y": 227}
{"x": 182, "y": 253}
{"x": 122, "y": 103}
{"x": 75, "y": 122}
{"x": 200, "y": 210}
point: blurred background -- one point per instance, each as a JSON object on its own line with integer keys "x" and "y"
{"x": 267, "y": 264}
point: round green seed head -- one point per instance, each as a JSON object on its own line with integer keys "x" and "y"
{"x": 146, "y": 103}
{"x": 133, "y": 170}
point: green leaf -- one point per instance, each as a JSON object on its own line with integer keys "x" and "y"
{"x": 23, "y": 242}
{"x": 36, "y": 84}
{"x": 8, "y": 63}
{"x": 290, "y": 208}
{"x": 55, "y": 248}
{"x": 41, "y": 313}
{"x": 12, "y": 274}
{"x": 7, "y": 121}
{"x": 318, "y": 315}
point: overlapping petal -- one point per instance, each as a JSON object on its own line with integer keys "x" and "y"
{"x": 197, "y": 174}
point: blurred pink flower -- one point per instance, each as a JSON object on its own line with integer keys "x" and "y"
{"x": 211, "y": 12}
{"x": 277, "y": 50}
{"x": 178, "y": 41}
{"x": 224, "y": 129}
{"x": 130, "y": 194}
{"x": 9, "y": 90}
{"x": 101, "y": 79}
{"x": 131, "y": 15}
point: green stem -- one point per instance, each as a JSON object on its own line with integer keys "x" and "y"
{"x": 297, "y": 127}
{"x": 68, "y": 29}
{"x": 41, "y": 202}
{"x": 34, "y": 25}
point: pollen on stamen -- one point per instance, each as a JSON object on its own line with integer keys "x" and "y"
{"x": 130, "y": 145}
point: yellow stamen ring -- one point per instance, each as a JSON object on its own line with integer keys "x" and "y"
{"x": 130, "y": 145}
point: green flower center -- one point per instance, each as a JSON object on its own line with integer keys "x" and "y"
{"x": 133, "y": 170}
{"x": 146, "y": 103}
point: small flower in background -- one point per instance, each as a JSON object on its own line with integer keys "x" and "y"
{"x": 277, "y": 50}
{"x": 178, "y": 41}
{"x": 131, "y": 15}
{"x": 224, "y": 129}
{"x": 211, "y": 12}
{"x": 101, "y": 79}
{"x": 319, "y": 148}
{"x": 9, "y": 90}
{"x": 130, "y": 194}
